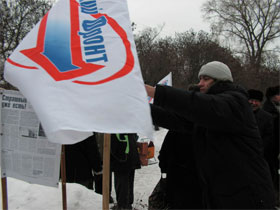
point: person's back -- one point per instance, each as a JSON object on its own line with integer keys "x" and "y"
{"x": 83, "y": 163}
{"x": 265, "y": 124}
{"x": 270, "y": 108}
{"x": 272, "y": 105}
{"x": 121, "y": 159}
{"x": 124, "y": 160}
{"x": 176, "y": 159}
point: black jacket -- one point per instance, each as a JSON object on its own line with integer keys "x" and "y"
{"x": 176, "y": 159}
{"x": 228, "y": 147}
{"x": 265, "y": 125}
{"x": 120, "y": 160}
{"x": 175, "y": 150}
{"x": 82, "y": 159}
{"x": 270, "y": 108}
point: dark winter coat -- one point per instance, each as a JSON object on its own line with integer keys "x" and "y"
{"x": 82, "y": 159}
{"x": 120, "y": 161}
{"x": 269, "y": 107}
{"x": 175, "y": 150}
{"x": 177, "y": 160}
{"x": 228, "y": 147}
{"x": 265, "y": 125}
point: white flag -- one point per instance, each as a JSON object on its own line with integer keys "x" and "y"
{"x": 167, "y": 80}
{"x": 79, "y": 69}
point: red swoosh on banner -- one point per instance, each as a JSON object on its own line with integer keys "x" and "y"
{"x": 20, "y": 65}
{"x": 129, "y": 64}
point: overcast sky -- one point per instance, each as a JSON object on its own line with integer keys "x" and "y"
{"x": 177, "y": 15}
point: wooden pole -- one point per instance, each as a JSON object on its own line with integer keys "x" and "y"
{"x": 4, "y": 193}
{"x": 63, "y": 177}
{"x": 106, "y": 171}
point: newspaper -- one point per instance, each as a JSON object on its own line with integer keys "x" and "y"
{"x": 26, "y": 154}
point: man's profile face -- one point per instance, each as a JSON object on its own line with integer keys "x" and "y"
{"x": 255, "y": 104}
{"x": 205, "y": 83}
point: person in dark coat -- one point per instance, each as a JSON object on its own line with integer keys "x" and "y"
{"x": 265, "y": 125}
{"x": 227, "y": 143}
{"x": 124, "y": 160}
{"x": 272, "y": 105}
{"x": 84, "y": 164}
{"x": 176, "y": 160}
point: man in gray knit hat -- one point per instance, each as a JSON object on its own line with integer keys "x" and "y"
{"x": 227, "y": 145}
{"x": 211, "y": 72}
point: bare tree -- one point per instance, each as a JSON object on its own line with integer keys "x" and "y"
{"x": 17, "y": 18}
{"x": 184, "y": 54}
{"x": 254, "y": 23}
{"x": 147, "y": 48}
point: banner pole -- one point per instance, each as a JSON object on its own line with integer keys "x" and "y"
{"x": 4, "y": 193}
{"x": 106, "y": 171}
{"x": 63, "y": 177}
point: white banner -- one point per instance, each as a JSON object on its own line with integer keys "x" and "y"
{"x": 81, "y": 60}
{"x": 167, "y": 80}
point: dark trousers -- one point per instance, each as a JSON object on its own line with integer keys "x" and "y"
{"x": 183, "y": 188}
{"x": 124, "y": 187}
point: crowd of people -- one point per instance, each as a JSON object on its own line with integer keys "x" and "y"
{"x": 221, "y": 150}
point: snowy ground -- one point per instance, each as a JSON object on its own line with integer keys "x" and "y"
{"x": 24, "y": 196}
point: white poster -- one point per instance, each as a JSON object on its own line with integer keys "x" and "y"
{"x": 26, "y": 154}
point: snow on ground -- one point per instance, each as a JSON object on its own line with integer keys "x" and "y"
{"x": 25, "y": 196}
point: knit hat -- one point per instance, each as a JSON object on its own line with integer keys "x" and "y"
{"x": 255, "y": 94}
{"x": 272, "y": 91}
{"x": 216, "y": 70}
